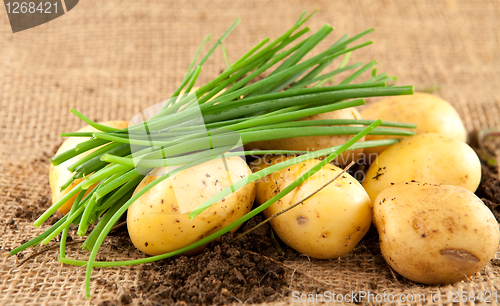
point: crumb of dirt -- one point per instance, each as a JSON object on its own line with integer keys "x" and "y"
{"x": 227, "y": 271}
{"x": 125, "y": 299}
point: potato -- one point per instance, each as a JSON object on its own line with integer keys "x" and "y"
{"x": 314, "y": 143}
{"x": 427, "y": 158}
{"x": 158, "y": 221}
{"x": 431, "y": 114}
{"x": 329, "y": 224}
{"x": 59, "y": 175}
{"x": 434, "y": 234}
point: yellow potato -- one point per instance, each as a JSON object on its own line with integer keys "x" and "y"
{"x": 434, "y": 234}
{"x": 431, "y": 114}
{"x": 427, "y": 158}
{"x": 158, "y": 221}
{"x": 59, "y": 175}
{"x": 330, "y": 223}
{"x": 314, "y": 143}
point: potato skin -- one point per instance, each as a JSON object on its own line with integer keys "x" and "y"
{"x": 434, "y": 234}
{"x": 427, "y": 158}
{"x": 58, "y": 175}
{"x": 431, "y": 114}
{"x": 158, "y": 221}
{"x": 329, "y": 224}
{"x": 315, "y": 143}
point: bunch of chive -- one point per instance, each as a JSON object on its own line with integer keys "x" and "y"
{"x": 228, "y": 105}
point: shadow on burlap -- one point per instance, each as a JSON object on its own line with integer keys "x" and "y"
{"x": 110, "y": 59}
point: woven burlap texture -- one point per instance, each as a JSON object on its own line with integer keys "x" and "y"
{"x": 110, "y": 59}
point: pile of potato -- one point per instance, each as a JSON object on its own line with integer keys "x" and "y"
{"x": 418, "y": 192}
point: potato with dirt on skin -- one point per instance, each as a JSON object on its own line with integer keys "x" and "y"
{"x": 158, "y": 221}
{"x": 430, "y": 113}
{"x": 59, "y": 175}
{"x": 314, "y": 143}
{"x": 427, "y": 158}
{"x": 327, "y": 225}
{"x": 434, "y": 234}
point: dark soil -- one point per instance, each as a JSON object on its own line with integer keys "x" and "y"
{"x": 29, "y": 207}
{"x": 30, "y": 210}
{"x": 227, "y": 271}
{"x": 489, "y": 188}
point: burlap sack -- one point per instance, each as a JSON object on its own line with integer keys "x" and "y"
{"x": 109, "y": 59}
